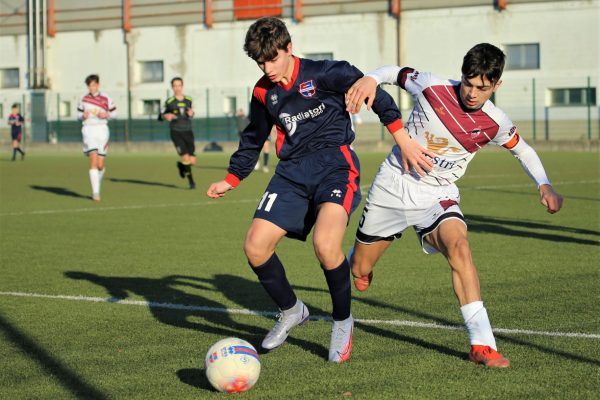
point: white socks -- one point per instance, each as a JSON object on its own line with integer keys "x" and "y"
{"x": 478, "y": 324}
{"x": 96, "y": 176}
{"x": 95, "y": 181}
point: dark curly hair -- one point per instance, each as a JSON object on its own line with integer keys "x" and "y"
{"x": 265, "y": 37}
{"x": 484, "y": 60}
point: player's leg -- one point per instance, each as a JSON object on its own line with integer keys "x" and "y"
{"x": 186, "y": 149}
{"x": 94, "y": 174}
{"x": 362, "y": 258}
{"x": 450, "y": 238}
{"x": 15, "y": 145}
{"x": 281, "y": 211}
{"x": 329, "y": 231}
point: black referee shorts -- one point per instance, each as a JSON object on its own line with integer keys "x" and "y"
{"x": 184, "y": 142}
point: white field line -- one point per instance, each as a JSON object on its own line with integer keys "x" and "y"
{"x": 364, "y": 188}
{"x": 219, "y": 310}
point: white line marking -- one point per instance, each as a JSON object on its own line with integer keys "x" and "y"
{"x": 364, "y": 188}
{"x": 219, "y": 310}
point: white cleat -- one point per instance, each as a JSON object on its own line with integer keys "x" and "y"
{"x": 340, "y": 346}
{"x": 287, "y": 320}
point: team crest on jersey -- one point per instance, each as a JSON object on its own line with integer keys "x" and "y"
{"x": 307, "y": 89}
{"x": 274, "y": 98}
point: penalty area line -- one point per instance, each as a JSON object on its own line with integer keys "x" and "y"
{"x": 240, "y": 311}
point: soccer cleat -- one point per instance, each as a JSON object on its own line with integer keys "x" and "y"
{"x": 362, "y": 283}
{"x": 257, "y": 166}
{"x": 22, "y": 155}
{"x": 181, "y": 168}
{"x": 287, "y": 320}
{"x": 192, "y": 185}
{"x": 340, "y": 346}
{"x": 487, "y": 356}
{"x": 265, "y": 169}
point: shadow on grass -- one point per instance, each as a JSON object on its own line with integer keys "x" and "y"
{"x": 141, "y": 182}
{"x": 59, "y": 191}
{"x": 510, "y": 227}
{"x": 184, "y": 302}
{"x": 54, "y": 368}
{"x": 195, "y": 377}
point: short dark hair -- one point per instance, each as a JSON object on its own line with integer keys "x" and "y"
{"x": 15, "y": 105}
{"x": 176, "y": 79}
{"x": 265, "y": 37}
{"x": 92, "y": 78}
{"x": 484, "y": 60}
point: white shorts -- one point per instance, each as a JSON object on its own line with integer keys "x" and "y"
{"x": 95, "y": 138}
{"x": 396, "y": 201}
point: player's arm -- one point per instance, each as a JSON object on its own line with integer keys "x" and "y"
{"x": 532, "y": 165}
{"x": 365, "y": 89}
{"x": 112, "y": 109}
{"x": 414, "y": 155}
{"x": 165, "y": 113}
{"x": 81, "y": 113}
{"x": 189, "y": 111}
{"x": 242, "y": 162}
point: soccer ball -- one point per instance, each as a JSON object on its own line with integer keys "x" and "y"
{"x": 232, "y": 365}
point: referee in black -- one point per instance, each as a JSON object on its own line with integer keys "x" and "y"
{"x": 178, "y": 111}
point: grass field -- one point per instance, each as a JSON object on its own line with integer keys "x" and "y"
{"x": 92, "y": 295}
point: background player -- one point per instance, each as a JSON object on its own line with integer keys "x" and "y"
{"x": 316, "y": 182}
{"x": 95, "y": 108}
{"x": 178, "y": 111}
{"x": 453, "y": 120}
{"x": 16, "y": 122}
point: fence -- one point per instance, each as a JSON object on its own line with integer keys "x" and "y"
{"x": 545, "y": 109}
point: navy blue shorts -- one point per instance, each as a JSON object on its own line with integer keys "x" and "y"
{"x": 300, "y": 185}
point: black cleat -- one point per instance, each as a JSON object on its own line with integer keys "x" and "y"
{"x": 181, "y": 168}
{"x": 192, "y": 185}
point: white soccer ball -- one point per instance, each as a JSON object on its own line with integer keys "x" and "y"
{"x": 232, "y": 365}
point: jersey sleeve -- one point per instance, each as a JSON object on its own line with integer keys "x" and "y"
{"x": 341, "y": 75}
{"x": 407, "y": 78}
{"x": 507, "y": 135}
{"x": 80, "y": 108}
{"x": 112, "y": 108}
{"x": 252, "y": 138}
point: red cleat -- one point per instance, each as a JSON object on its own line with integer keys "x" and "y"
{"x": 362, "y": 283}
{"x": 487, "y": 356}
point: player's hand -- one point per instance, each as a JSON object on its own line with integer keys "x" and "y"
{"x": 218, "y": 189}
{"x": 189, "y": 112}
{"x": 102, "y": 115}
{"x": 86, "y": 114}
{"x": 364, "y": 88}
{"x": 169, "y": 116}
{"x": 413, "y": 154}
{"x": 550, "y": 199}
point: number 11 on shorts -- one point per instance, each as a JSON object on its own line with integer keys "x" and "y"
{"x": 271, "y": 197}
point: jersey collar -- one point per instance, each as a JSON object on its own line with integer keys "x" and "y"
{"x": 294, "y": 75}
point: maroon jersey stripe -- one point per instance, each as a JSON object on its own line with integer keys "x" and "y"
{"x": 472, "y": 130}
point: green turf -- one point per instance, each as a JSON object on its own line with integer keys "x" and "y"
{"x": 151, "y": 239}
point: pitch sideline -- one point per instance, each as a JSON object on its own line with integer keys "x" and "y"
{"x": 175, "y": 306}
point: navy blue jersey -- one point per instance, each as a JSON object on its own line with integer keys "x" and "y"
{"x": 309, "y": 114}
{"x": 16, "y": 123}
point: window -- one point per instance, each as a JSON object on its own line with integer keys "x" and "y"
{"x": 64, "y": 109}
{"x": 151, "y": 71}
{"x": 572, "y": 97}
{"x": 229, "y": 105}
{"x": 319, "y": 56}
{"x": 150, "y": 107}
{"x": 9, "y": 78}
{"x": 523, "y": 56}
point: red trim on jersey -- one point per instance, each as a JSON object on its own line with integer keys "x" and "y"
{"x": 512, "y": 142}
{"x": 232, "y": 180}
{"x": 395, "y": 126}
{"x": 260, "y": 89}
{"x": 294, "y": 74}
{"x": 280, "y": 139}
{"x": 472, "y": 130}
{"x": 352, "y": 175}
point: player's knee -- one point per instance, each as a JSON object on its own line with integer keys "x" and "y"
{"x": 329, "y": 254}
{"x": 256, "y": 253}
{"x": 459, "y": 250}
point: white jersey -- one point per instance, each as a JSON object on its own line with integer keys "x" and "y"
{"x": 442, "y": 125}
{"x": 94, "y": 104}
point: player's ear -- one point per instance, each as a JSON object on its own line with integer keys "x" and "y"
{"x": 289, "y": 48}
{"x": 497, "y": 85}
